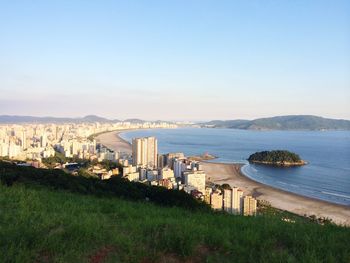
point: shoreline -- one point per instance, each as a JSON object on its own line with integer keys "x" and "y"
{"x": 231, "y": 173}
{"x": 113, "y": 141}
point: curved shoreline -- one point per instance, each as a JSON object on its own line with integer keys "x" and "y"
{"x": 113, "y": 141}
{"x": 231, "y": 173}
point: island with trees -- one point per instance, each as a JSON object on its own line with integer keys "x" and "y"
{"x": 277, "y": 158}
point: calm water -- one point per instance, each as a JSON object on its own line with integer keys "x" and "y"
{"x": 326, "y": 177}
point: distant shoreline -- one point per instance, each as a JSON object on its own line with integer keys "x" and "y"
{"x": 231, "y": 173}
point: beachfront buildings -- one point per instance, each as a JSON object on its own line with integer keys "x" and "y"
{"x": 195, "y": 179}
{"x": 216, "y": 199}
{"x": 145, "y": 152}
{"x": 249, "y": 206}
{"x": 233, "y": 200}
{"x": 230, "y": 200}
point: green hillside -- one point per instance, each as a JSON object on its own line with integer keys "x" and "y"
{"x": 41, "y": 222}
{"x": 291, "y": 122}
{"x": 40, "y": 225}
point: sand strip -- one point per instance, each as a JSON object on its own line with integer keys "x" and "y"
{"x": 220, "y": 173}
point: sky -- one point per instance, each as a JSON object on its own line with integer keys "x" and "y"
{"x": 175, "y": 59}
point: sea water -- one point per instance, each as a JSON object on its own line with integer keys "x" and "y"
{"x": 325, "y": 177}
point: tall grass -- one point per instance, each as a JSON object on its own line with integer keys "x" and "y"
{"x": 43, "y": 225}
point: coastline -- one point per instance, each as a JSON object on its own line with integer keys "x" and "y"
{"x": 221, "y": 173}
{"x": 113, "y": 141}
{"x": 231, "y": 174}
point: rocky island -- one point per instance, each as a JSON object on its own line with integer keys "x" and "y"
{"x": 277, "y": 158}
{"x": 202, "y": 157}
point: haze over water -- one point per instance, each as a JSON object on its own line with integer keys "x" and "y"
{"x": 326, "y": 177}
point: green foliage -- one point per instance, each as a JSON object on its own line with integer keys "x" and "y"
{"x": 52, "y": 161}
{"x": 278, "y": 156}
{"x": 115, "y": 186}
{"x": 225, "y": 187}
{"x": 292, "y": 122}
{"x": 41, "y": 225}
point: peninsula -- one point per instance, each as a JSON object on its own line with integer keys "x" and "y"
{"x": 277, "y": 158}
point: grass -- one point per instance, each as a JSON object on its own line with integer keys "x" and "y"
{"x": 42, "y": 225}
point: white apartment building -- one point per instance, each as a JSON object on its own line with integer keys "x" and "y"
{"x": 145, "y": 152}
{"x": 195, "y": 179}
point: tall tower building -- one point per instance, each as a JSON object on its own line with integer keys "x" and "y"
{"x": 43, "y": 141}
{"x": 24, "y": 139}
{"x": 145, "y": 152}
{"x": 249, "y": 206}
{"x": 232, "y": 200}
{"x": 227, "y": 201}
{"x": 237, "y": 197}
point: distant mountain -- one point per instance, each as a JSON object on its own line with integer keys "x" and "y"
{"x": 87, "y": 119}
{"x": 31, "y": 119}
{"x": 94, "y": 118}
{"x": 290, "y": 122}
{"x": 226, "y": 124}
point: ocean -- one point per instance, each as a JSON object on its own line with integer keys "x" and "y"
{"x": 326, "y": 177}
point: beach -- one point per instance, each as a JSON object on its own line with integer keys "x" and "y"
{"x": 231, "y": 174}
{"x": 114, "y": 142}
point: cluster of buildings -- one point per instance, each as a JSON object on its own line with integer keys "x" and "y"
{"x": 175, "y": 171}
{"x": 34, "y": 141}
{"x": 231, "y": 200}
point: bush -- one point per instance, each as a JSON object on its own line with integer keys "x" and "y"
{"x": 115, "y": 186}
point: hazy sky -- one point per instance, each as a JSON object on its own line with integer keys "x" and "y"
{"x": 190, "y": 60}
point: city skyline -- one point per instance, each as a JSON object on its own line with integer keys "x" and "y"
{"x": 177, "y": 60}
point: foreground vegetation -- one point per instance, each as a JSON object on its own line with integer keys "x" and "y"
{"x": 41, "y": 225}
{"x": 115, "y": 187}
{"x": 50, "y": 216}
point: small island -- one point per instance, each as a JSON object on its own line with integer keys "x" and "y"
{"x": 202, "y": 157}
{"x": 277, "y": 158}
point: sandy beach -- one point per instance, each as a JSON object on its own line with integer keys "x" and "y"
{"x": 230, "y": 173}
{"x": 220, "y": 173}
{"x": 113, "y": 141}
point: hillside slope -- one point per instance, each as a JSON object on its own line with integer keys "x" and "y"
{"x": 41, "y": 225}
{"x": 291, "y": 122}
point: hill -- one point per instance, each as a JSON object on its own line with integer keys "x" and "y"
{"x": 42, "y": 223}
{"x": 277, "y": 157}
{"x": 290, "y": 122}
{"x": 13, "y": 119}
{"x": 32, "y": 119}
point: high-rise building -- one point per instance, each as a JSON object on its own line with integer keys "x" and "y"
{"x": 249, "y": 206}
{"x": 216, "y": 200}
{"x": 161, "y": 161}
{"x": 232, "y": 200}
{"x": 24, "y": 139}
{"x": 227, "y": 201}
{"x": 179, "y": 167}
{"x": 195, "y": 179}
{"x": 43, "y": 141}
{"x": 237, "y": 197}
{"x": 145, "y": 152}
{"x": 170, "y": 157}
